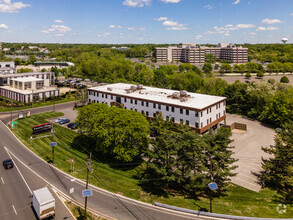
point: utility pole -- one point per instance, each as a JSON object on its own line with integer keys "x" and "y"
{"x": 53, "y": 147}
{"x": 10, "y": 112}
{"x": 211, "y": 178}
{"x": 89, "y": 169}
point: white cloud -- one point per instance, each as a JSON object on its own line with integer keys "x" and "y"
{"x": 245, "y": 25}
{"x": 106, "y": 34}
{"x": 171, "y": 1}
{"x": 57, "y": 30}
{"x": 7, "y": 7}
{"x": 112, "y": 26}
{"x": 199, "y": 36}
{"x": 174, "y": 25}
{"x": 137, "y": 3}
{"x": 208, "y": 7}
{"x": 58, "y": 21}
{"x": 236, "y": 2}
{"x": 161, "y": 19}
{"x": 291, "y": 14}
{"x": 271, "y": 21}
{"x": 270, "y": 28}
{"x": 3, "y": 26}
{"x": 59, "y": 35}
{"x": 142, "y": 28}
{"x": 140, "y": 38}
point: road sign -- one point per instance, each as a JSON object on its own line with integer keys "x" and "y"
{"x": 52, "y": 144}
{"x": 87, "y": 192}
{"x": 72, "y": 160}
{"x": 71, "y": 190}
{"x": 13, "y": 123}
{"x": 213, "y": 186}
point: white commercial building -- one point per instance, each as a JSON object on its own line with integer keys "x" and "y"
{"x": 196, "y": 110}
{"x": 27, "y": 90}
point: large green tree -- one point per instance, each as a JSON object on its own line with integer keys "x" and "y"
{"x": 278, "y": 169}
{"x": 118, "y": 132}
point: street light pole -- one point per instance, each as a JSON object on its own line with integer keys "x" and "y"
{"x": 211, "y": 179}
{"x": 53, "y": 147}
{"x": 89, "y": 168}
{"x": 10, "y": 112}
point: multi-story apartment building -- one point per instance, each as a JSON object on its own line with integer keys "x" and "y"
{"x": 190, "y": 53}
{"x": 199, "y": 111}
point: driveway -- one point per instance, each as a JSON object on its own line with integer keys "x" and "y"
{"x": 248, "y": 150}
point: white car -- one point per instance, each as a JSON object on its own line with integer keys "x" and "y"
{"x": 59, "y": 119}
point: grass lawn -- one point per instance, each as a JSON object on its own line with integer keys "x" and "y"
{"x": 37, "y": 104}
{"x": 238, "y": 201}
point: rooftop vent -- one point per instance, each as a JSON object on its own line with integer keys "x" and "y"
{"x": 175, "y": 95}
{"x": 109, "y": 89}
{"x": 183, "y": 99}
{"x": 139, "y": 86}
{"x": 133, "y": 88}
{"x": 183, "y": 92}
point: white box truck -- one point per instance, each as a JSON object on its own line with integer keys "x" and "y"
{"x": 43, "y": 203}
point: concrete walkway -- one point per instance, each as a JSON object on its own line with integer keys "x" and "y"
{"x": 248, "y": 150}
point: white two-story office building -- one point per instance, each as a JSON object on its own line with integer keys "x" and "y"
{"x": 196, "y": 110}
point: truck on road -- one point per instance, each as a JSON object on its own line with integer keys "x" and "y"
{"x": 43, "y": 203}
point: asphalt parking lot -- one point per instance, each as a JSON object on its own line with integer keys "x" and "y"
{"x": 248, "y": 150}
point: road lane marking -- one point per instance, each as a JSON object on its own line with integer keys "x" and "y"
{"x": 14, "y": 209}
{"x": 19, "y": 172}
{"x": 2, "y": 180}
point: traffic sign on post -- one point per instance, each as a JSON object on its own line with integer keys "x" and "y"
{"x": 72, "y": 160}
{"x": 213, "y": 186}
{"x": 13, "y": 124}
{"x": 87, "y": 192}
{"x": 52, "y": 144}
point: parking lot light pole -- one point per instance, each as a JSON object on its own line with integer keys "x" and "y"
{"x": 52, "y": 131}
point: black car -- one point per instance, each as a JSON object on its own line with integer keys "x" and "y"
{"x": 70, "y": 125}
{"x": 8, "y": 164}
{"x": 74, "y": 126}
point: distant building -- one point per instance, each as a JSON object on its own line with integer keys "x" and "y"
{"x": 7, "y": 68}
{"x": 199, "y": 111}
{"x": 191, "y": 53}
{"x": 48, "y": 65}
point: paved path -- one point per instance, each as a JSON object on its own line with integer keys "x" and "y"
{"x": 248, "y": 151}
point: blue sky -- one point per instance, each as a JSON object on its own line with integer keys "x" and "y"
{"x": 146, "y": 21}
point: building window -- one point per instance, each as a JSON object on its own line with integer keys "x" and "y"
{"x": 159, "y": 106}
{"x": 196, "y": 114}
{"x": 111, "y": 97}
{"x": 131, "y": 101}
{"x": 210, "y": 110}
{"x": 187, "y": 112}
{"x": 181, "y": 111}
{"x": 220, "y": 115}
{"x": 125, "y": 99}
{"x": 207, "y": 121}
{"x": 167, "y": 108}
{"x": 217, "y": 116}
{"x": 210, "y": 120}
{"x": 142, "y": 103}
{"x": 147, "y": 104}
{"x": 196, "y": 124}
{"x": 135, "y": 102}
{"x": 154, "y": 115}
{"x": 216, "y": 106}
{"x": 106, "y": 96}
{"x": 173, "y": 109}
{"x": 102, "y": 95}
{"x": 173, "y": 119}
{"x": 187, "y": 122}
{"x": 207, "y": 111}
{"x": 219, "y": 105}
{"x": 142, "y": 112}
{"x": 97, "y": 94}
{"x": 154, "y": 105}
{"x": 200, "y": 114}
{"x": 147, "y": 113}
{"x": 201, "y": 125}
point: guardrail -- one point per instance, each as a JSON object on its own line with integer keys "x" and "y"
{"x": 215, "y": 215}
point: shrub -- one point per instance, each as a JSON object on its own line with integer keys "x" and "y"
{"x": 284, "y": 79}
{"x": 271, "y": 81}
{"x": 248, "y": 75}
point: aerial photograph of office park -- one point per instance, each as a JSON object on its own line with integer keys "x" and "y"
{"x": 146, "y": 109}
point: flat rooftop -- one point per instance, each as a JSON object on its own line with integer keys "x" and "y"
{"x": 29, "y": 91}
{"x": 27, "y": 79}
{"x": 23, "y": 74}
{"x": 192, "y": 100}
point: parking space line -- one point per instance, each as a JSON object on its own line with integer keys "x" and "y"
{"x": 14, "y": 209}
{"x": 2, "y": 180}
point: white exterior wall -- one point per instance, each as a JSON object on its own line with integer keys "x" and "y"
{"x": 176, "y": 114}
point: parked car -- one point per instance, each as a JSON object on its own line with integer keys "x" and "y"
{"x": 70, "y": 125}
{"x": 64, "y": 121}
{"x": 74, "y": 126}
{"x": 8, "y": 164}
{"x": 59, "y": 119}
